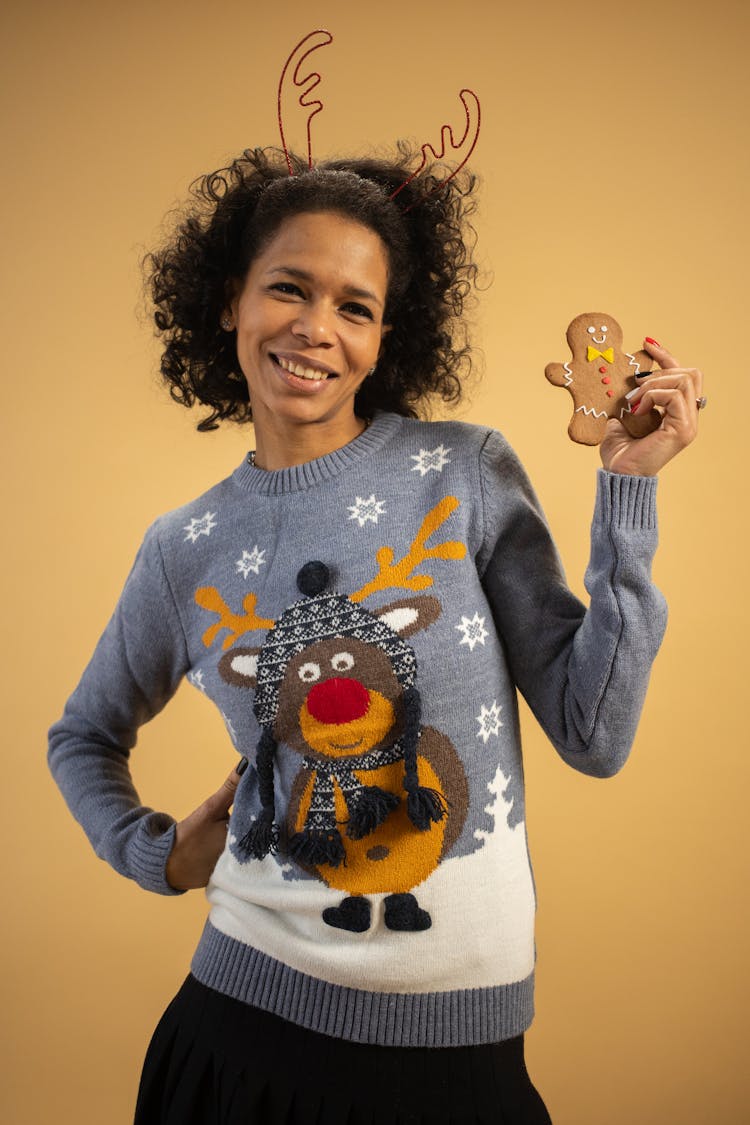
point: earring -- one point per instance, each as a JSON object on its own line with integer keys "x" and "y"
{"x": 226, "y": 322}
{"x": 371, "y": 371}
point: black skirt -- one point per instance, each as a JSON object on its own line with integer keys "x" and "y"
{"x": 217, "y": 1061}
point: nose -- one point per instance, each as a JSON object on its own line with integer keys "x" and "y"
{"x": 314, "y": 324}
{"x": 338, "y": 700}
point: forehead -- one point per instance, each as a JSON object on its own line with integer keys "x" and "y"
{"x": 329, "y": 239}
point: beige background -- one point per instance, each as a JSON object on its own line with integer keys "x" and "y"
{"x": 614, "y": 158}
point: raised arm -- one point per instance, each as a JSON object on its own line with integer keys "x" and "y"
{"x": 583, "y": 671}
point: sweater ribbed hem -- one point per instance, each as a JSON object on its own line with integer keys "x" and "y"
{"x": 626, "y": 502}
{"x": 463, "y": 1017}
{"x": 296, "y": 478}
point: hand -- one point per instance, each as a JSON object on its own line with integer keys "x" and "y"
{"x": 675, "y": 390}
{"x": 201, "y": 837}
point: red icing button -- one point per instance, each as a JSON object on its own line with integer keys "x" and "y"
{"x": 602, "y": 370}
{"x": 606, "y": 379}
{"x": 610, "y": 394}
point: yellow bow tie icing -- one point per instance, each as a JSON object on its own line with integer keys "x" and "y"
{"x": 594, "y": 353}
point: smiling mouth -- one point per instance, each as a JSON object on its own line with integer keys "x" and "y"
{"x": 303, "y": 371}
{"x": 346, "y": 745}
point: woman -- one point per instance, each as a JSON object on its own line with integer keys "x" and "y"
{"x": 361, "y": 599}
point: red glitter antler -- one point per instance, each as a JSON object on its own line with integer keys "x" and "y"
{"x": 308, "y": 81}
{"x": 467, "y": 143}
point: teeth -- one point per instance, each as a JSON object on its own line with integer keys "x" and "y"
{"x": 302, "y": 372}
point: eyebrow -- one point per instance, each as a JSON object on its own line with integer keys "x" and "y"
{"x": 304, "y": 275}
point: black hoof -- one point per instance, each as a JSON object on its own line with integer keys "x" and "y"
{"x": 402, "y": 912}
{"x": 353, "y": 914}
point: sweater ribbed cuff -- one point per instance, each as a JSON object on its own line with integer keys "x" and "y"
{"x": 626, "y": 503}
{"x": 149, "y": 853}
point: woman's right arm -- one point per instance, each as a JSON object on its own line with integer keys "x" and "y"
{"x": 136, "y": 668}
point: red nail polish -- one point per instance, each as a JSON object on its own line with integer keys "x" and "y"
{"x": 656, "y": 343}
{"x": 634, "y": 409}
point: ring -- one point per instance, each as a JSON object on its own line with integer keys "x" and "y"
{"x": 701, "y": 402}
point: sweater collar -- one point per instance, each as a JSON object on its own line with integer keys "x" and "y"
{"x": 296, "y": 478}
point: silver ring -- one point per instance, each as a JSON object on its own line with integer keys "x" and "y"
{"x": 701, "y": 402}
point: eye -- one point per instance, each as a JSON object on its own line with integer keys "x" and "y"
{"x": 604, "y": 328}
{"x": 287, "y": 288}
{"x": 309, "y": 672}
{"x": 592, "y": 330}
{"x": 355, "y": 309}
{"x": 342, "y": 662}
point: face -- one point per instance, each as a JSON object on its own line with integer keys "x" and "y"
{"x": 309, "y": 323}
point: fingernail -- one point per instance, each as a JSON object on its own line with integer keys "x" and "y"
{"x": 635, "y": 391}
{"x": 241, "y": 766}
{"x": 650, "y": 340}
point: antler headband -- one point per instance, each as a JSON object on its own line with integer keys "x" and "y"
{"x": 308, "y": 80}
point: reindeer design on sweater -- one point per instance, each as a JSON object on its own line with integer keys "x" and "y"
{"x": 379, "y": 799}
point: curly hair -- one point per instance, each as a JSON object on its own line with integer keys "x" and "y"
{"x": 236, "y": 211}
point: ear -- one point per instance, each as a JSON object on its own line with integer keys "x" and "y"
{"x": 239, "y": 666}
{"x": 409, "y": 615}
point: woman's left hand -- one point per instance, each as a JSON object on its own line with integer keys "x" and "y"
{"x": 676, "y": 391}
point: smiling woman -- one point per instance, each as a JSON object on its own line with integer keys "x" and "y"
{"x": 197, "y": 278}
{"x": 309, "y": 325}
{"x": 369, "y": 954}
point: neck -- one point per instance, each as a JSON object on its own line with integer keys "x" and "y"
{"x": 281, "y": 449}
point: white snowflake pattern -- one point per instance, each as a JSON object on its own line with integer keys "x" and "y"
{"x": 474, "y": 632}
{"x": 489, "y": 721}
{"x": 363, "y": 510}
{"x": 202, "y": 526}
{"x": 428, "y": 459}
{"x": 251, "y": 561}
{"x": 196, "y": 679}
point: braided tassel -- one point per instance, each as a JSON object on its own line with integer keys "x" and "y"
{"x": 424, "y": 806}
{"x": 262, "y": 837}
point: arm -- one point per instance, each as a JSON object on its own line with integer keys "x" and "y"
{"x": 136, "y": 668}
{"x": 584, "y": 672}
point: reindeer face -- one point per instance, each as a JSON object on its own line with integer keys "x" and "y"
{"x": 338, "y": 698}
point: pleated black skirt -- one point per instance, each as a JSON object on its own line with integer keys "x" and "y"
{"x": 216, "y": 1061}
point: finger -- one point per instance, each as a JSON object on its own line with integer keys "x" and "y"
{"x": 688, "y": 380}
{"x": 679, "y": 413}
{"x": 220, "y": 802}
{"x": 663, "y": 357}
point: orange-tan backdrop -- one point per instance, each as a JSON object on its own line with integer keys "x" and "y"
{"x": 614, "y": 161}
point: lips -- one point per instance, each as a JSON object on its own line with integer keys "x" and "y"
{"x": 303, "y": 369}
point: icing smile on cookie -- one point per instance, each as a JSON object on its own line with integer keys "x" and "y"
{"x": 304, "y": 370}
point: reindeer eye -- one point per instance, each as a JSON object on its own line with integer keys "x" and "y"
{"x": 342, "y": 661}
{"x": 309, "y": 672}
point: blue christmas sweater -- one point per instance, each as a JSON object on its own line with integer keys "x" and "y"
{"x": 363, "y": 623}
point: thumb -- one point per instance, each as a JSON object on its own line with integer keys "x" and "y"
{"x": 219, "y": 803}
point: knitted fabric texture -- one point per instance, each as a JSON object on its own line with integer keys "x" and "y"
{"x": 364, "y": 623}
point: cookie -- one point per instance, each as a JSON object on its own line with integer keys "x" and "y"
{"x": 599, "y": 376}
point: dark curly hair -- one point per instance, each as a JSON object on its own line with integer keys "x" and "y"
{"x": 234, "y": 213}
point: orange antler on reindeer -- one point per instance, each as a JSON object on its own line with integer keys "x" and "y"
{"x": 208, "y": 597}
{"x": 465, "y": 145}
{"x": 398, "y": 575}
{"x": 308, "y": 80}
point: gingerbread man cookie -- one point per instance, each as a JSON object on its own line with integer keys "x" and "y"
{"x": 599, "y": 377}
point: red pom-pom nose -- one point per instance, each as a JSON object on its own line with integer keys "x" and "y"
{"x": 338, "y": 701}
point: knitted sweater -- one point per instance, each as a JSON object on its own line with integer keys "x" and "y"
{"x": 362, "y": 622}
